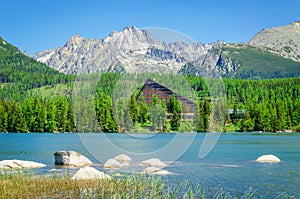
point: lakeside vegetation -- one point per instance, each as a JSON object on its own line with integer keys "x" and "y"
{"x": 27, "y": 185}
{"x": 266, "y": 105}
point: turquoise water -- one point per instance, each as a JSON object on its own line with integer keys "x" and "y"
{"x": 229, "y": 165}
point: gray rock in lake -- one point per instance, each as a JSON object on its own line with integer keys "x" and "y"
{"x": 268, "y": 159}
{"x": 154, "y": 162}
{"x": 155, "y": 171}
{"x": 112, "y": 164}
{"x": 20, "y": 164}
{"x": 89, "y": 173}
{"x": 71, "y": 158}
{"x": 122, "y": 158}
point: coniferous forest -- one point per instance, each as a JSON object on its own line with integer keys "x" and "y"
{"x": 269, "y": 105}
{"x": 36, "y": 98}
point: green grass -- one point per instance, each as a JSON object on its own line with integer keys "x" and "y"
{"x": 27, "y": 185}
{"x": 48, "y": 91}
{"x": 24, "y": 184}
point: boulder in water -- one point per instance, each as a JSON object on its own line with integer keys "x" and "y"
{"x": 20, "y": 164}
{"x": 89, "y": 173}
{"x": 71, "y": 158}
{"x": 268, "y": 158}
{"x": 122, "y": 158}
{"x": 156, "y": 171}
{"x": 154, "y": 162}
{"x": 112, "y": 164}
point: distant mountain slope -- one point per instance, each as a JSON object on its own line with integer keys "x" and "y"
{"x": 249, "y": 62}
{"x": 283, "y": 40}
{"x": 20, "y": 72}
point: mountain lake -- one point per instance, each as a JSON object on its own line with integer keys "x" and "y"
{"x": 230, "y": 165}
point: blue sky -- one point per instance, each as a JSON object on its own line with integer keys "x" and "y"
{"x": 35, "y": 25}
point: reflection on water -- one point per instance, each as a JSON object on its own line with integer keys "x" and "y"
{"x": 230, "y": 164}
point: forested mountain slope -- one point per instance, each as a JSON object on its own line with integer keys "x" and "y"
{"x": 19, "y": 72}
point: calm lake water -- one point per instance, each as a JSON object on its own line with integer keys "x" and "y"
{"x": 229, "y": 165}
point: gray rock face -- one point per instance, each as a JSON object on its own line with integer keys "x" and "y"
{"x": 225, "y": 65}
{"x": 130, "y": 51}
{"x": 89, "y": 173}
{"x": 20, "y": 164}
{"x": 284, "y": 40}
{"x": 72, "y": 158}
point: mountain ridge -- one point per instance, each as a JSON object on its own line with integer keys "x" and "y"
{"x": 136, "y": 49}
{"x": 132, "y": 50}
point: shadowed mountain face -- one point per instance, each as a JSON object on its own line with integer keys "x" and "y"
{"x": 136, "y": 51}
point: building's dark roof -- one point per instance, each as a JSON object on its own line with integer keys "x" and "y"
{"x": 155, "y": 84}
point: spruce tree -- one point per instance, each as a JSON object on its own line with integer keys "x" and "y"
{"x": 176, "y": 114}
{"x": 133, "y": 109}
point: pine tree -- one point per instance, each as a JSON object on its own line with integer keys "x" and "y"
{"x": 20, "y": 121}
{"x": 259, "y": 124}
{"x": 3, "y": 118}
{"x": 104, "y": 114}
{"x": 280, "y": 119}
{"x": 51, "y": 124}
{"x": 176, "y": 113}
{"x": 206, "y": 112}
{"x": 143, "y": 116}
{"x": 199, "y": 119}
{"x": 157, "y": 113}
{"x": 133, "y": 109}
{"x": 247, "y": 122}
{"x": 70, "y": 124}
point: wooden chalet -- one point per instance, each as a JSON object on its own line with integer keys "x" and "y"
{"x": 152, "y": 87}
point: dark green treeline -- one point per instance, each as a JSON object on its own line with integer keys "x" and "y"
{"x": 37, "y": 115}
{"x": 257, "y": 105}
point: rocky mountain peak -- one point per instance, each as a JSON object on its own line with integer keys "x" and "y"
{"x": 74, "y": 42}
{"x": 75, "y": 39}
{"x": 130, "y": 38}
{"x": 296, "y": 25}
{"x": 130, "y": 28}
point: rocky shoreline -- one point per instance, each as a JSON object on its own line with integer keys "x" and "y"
{"x": 86, "y": 171}
{"x": 73, "y": 159}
